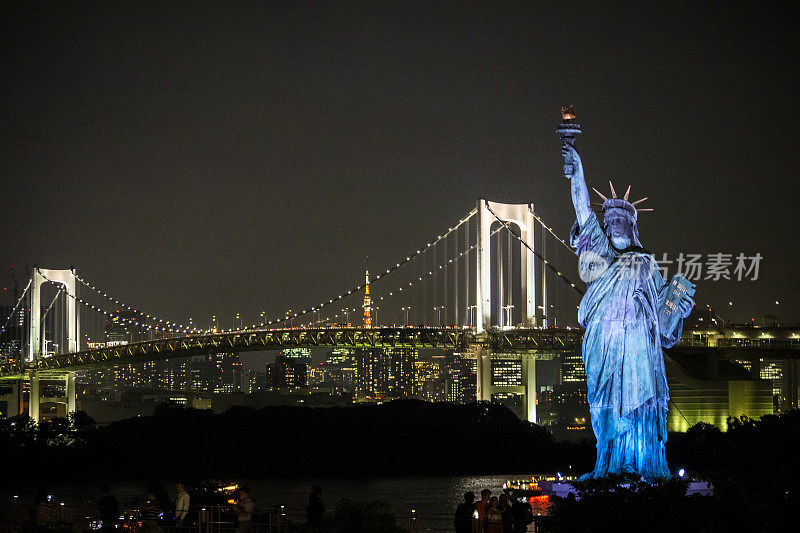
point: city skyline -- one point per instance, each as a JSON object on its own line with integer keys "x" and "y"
{"x": 211, "y": 147}
{"x": 345, "y": 266}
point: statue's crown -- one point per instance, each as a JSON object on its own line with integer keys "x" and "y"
{"x": 620, "y": 206}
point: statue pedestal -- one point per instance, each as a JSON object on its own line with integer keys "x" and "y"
{"x": 556, "y": 488}
{"x": 562, "y": 489}
{"x": 702, "y": 488}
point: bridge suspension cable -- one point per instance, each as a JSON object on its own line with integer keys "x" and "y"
{"x": 136, "y": 311}
{"x": 122, "y": 319}
{"x": 553, "y": 233}
{"x": 544, "y": 261}
{"x": 16, "y": 306}
{"x": 159, "y": 324}
{"x": 428, "y": 273}
{"x": 50, "y": 306}
{"x": 388, "y": 271}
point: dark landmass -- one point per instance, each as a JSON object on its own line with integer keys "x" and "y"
{"x": 403, "y": 437}
{"x": 754, "y": 466}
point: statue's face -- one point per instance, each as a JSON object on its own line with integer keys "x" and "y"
{"x": 620, "y": 231}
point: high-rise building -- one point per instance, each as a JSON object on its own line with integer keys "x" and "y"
{"x": 783, "y": 374}
{"x": 228, "y": 368}
{"x": 460, "y": 379}
{"x": 202, "y": 374}
{"x": 506, "y": 372}
{"x": 427, "y": 382}
{"x": 572, "y": 368}
{"x": 301, "y": 355}
{"x": 291, "y": 368}
{"x": 449, "y": 377}
{"x": 11, "y": 342}
{"x": 289, "y": 373}
{"x": 340, "y": 370}
{"x": 373, "y": 368}
{"x": 402, "y": 372}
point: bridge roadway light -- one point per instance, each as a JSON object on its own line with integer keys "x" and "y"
{"x": 346, "y": 312}
{"x": 470, "y": 308}
{"x": 438, "y": 310}
{"x": 507, "y": 309}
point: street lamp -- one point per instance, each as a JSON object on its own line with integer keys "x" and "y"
{"x": 406, "y": 309}
{"x": 508, "y": 309}
{"x": 438, "y": 310}
{"x": 470, "y": 308}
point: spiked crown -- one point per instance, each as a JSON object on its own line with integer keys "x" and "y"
{"x": 620, "y": 206}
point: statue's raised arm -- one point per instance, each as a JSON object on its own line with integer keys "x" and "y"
{"x": 580, "y": 194}
{"x": 628, "y": 312}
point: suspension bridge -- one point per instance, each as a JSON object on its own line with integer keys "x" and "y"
{"x": 491, "y": 285}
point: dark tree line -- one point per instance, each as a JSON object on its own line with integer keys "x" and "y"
{"x": 754, "y": 468}
{"x": 403, "y": 437}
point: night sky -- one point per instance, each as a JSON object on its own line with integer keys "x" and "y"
{"x": 237, "y": 158}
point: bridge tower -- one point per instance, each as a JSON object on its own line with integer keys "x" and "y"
{"x": 521, "y": 215}
{"x": 37, "y": 346}
{"x": 516, "y": 371}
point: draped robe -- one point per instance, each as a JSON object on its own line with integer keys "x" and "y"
{"x": 622, "y": 352}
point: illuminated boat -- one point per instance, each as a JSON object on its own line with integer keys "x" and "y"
{"x": 533, "y": 489}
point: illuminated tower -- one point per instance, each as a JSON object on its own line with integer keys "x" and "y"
{"x": 367, "y": 305}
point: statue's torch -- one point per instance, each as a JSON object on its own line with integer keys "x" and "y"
{"x": 567, "y": 131}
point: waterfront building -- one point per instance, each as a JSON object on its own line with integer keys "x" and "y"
{"x": 572, "y": 369}
{"x": 289, "y": 372}
{"x": 11, "y": 344}
{"x": 712, "y": 392}
{"x": 373, "y": 368}
{"x": 428, "y": 384}
{"x": 340, "y": 370}
{"x": 401, "y": 376}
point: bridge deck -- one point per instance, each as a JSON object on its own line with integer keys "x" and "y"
{"x": 456, "y": 338}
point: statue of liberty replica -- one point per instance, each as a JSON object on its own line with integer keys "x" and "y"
{"x": 629, "y": 313}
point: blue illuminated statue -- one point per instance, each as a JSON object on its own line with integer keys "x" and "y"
{"x": 623, "y": 313}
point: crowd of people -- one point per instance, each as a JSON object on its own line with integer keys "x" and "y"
{"x": 492, "y": 514}
{"x": 157, "y": 509}
{"x": 505, "y": 513}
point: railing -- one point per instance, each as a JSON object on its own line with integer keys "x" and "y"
{"x": 257, "y": 340}
{"x": 81, "y": 516}
{"x": 737, "y": 342}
